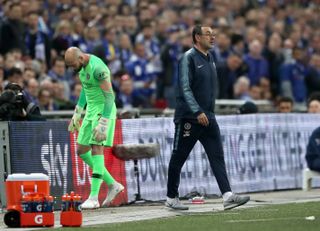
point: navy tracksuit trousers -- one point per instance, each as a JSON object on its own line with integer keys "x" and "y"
{"x": 186, "y": 135}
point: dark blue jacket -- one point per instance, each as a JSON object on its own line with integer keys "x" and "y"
{"x": 258, "y": 68}
{"x": 296, "y": 74}
{"x": 313, "y": 151}
{"x": 196, "y": 89}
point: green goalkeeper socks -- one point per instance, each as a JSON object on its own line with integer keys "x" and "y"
{"x": 87, "y": 158}
{"x": 97, "y": 173}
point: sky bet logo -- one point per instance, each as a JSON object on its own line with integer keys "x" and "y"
{"x": 54, "y": 159}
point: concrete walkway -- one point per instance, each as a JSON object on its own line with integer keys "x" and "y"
{"x": 157, "y": 210}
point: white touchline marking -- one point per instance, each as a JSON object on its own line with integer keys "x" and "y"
{"x": 265, "y": 210}
{"x": 211, "y": 214}
{"x": 267, "y": 219}
{"x": 225, "y": 213}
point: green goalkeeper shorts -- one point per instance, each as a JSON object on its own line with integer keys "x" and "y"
{"x": 85, "y": 136}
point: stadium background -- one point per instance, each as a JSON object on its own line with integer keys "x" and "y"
{"x": 273, "y": 45}
{"x": 118, "y": 32}
{"x": 263, "y": 152}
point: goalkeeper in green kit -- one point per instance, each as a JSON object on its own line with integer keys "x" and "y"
{"x": 97, "y": 129}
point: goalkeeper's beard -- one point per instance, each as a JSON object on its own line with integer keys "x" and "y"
{"x": 76, "y": 71}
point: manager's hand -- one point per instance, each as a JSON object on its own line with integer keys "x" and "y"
{"x": 203, "y": 119}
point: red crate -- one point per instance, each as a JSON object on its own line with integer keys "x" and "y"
{"x": 71, "y": 218}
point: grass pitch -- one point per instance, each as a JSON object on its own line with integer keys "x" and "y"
{"x": 285, "y": 217}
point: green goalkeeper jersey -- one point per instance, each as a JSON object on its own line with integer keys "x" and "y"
{"x": 90, "y": 77}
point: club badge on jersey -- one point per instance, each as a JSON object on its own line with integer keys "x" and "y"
{"x": 186, "y": 131}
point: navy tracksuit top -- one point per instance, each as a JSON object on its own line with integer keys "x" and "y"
{"x": 196, "y": 89}
{"x": 313, "y": 150}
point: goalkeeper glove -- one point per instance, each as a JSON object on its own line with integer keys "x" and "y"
{"x": 100, "y": 131}
{"x": 75, "y": 121}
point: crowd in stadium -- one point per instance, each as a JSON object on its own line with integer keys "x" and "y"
{"x": 264, "y": 49}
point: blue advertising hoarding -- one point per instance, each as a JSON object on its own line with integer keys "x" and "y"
{"x": 43, "y": 147}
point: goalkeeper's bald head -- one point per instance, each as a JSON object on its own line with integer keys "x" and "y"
{"x": 75, "y": 58}
{"x": 72, "y": 54}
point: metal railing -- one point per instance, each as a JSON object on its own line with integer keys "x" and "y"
{"x": 223, "y": 107}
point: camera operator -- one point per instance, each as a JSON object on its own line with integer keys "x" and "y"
{"x": 14, "y": 106}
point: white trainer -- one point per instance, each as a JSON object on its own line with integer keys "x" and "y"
{"x": 113, "y": 191}
{"x": 235, "y": 201}
{"x": 175, "y": 203}
{"x": 90, "y": 203}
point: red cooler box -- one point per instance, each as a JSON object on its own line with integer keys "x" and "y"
{"x": 18, "y": 184}
{"x": 21, "y": 184}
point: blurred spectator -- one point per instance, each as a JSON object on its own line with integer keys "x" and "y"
{"x": 59, "y": 98}
{"x": 47, "y": 84}
{"x": 14, "y": 75}
{"x": 46, "y": 101}
{"x": 33, "y": 33}
{"x": 170, "y": 55}
{"x": 75, "y": 93}
{"x": 62, "y": 37}
{"x": 250, "y": 34}
{"x": 264, "y": 85}
{"x": 275, "y": 58}
{"x": 116, "y": 79}
{"x": 32, "y": 90}
{"x": 1, "y": 78}
{"x": 109, "y": 38}
{"x": 37, "y": 42}
{"x": 77, "y": 35}
{"x": 140, "y": 70}
{"x": 287, "y": 51}
{"x": 107, "y": 49}
{"x": 12, "y": 29}
{"x": 237, "y": 44}
{"x": 125, "y": 50}
{"x": 285, "y": 105}
{"x": 313, "y": 103}
{"x": 221, "y": 50}
{"x": 242, "y": 88}
{"x": 16, "y": 58}
{"x": 9, "y": 62}
{"x": 255, "y": 93}
{"x": 315, "y": 43}
{"x": 41, "y": 69}
{"x": 161, "y": 30}
{"x": 93, "y": 41}
{"x": 151, "y": 45}
{"x": 58, "y": 73}
{"x": 1, "y": 61}
{"x": 28, "y": 74}
{"x": 228, "y": 71}
{"x": 293, "y": 77}
{"x": 129, "y": 98}
{"x": 248, "y": 108}
{"x": 313, "y": 76}
{"x": 258, "y": 66}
